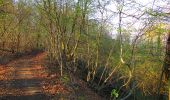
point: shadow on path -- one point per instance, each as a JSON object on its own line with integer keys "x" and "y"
{"x": 23, "y": 80}
{"x": 29, "y": 97}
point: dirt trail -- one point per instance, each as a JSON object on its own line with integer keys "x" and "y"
{"x": 27, "y": 79}
{"x": 21, "y": 79}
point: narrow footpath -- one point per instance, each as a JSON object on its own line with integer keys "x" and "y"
{"x": 21, "y": 79}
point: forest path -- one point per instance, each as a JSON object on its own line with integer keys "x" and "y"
{"x": 21, "y": 79}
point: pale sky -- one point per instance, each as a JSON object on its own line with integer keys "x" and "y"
{"x": 132, "y": 10}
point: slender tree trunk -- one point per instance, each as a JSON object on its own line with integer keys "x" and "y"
{"x": 167, "y": 68}
{"x": 169, "y": 93}
{"x": 165, "y": 71}
{"x": 167, "y": 65}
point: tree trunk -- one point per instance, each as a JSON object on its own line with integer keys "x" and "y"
{"x": 167, "y": 68}
{"x": 165, "y": 71}
{"x": 169, "y": 93}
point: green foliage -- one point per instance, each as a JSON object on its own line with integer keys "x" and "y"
{"x": 81, "y": 98}
{"x": 155, "y": 13}
{"x": 1, "y": 3}
{"x": 65, "y": 79}
{"x": 114, "y": 93}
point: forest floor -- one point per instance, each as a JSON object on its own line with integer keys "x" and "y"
{"x": 27, "y": 78}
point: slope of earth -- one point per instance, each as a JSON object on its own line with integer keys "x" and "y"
{"x": 27, "y": 78}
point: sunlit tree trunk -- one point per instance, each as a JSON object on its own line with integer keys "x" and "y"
{"x": 169, "y": 92}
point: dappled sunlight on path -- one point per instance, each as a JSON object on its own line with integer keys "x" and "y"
{"x": 23, "y": 77}
{"x": 27, "y": 78}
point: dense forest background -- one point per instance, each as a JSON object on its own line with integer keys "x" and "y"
{"x": 120, "y": 54}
